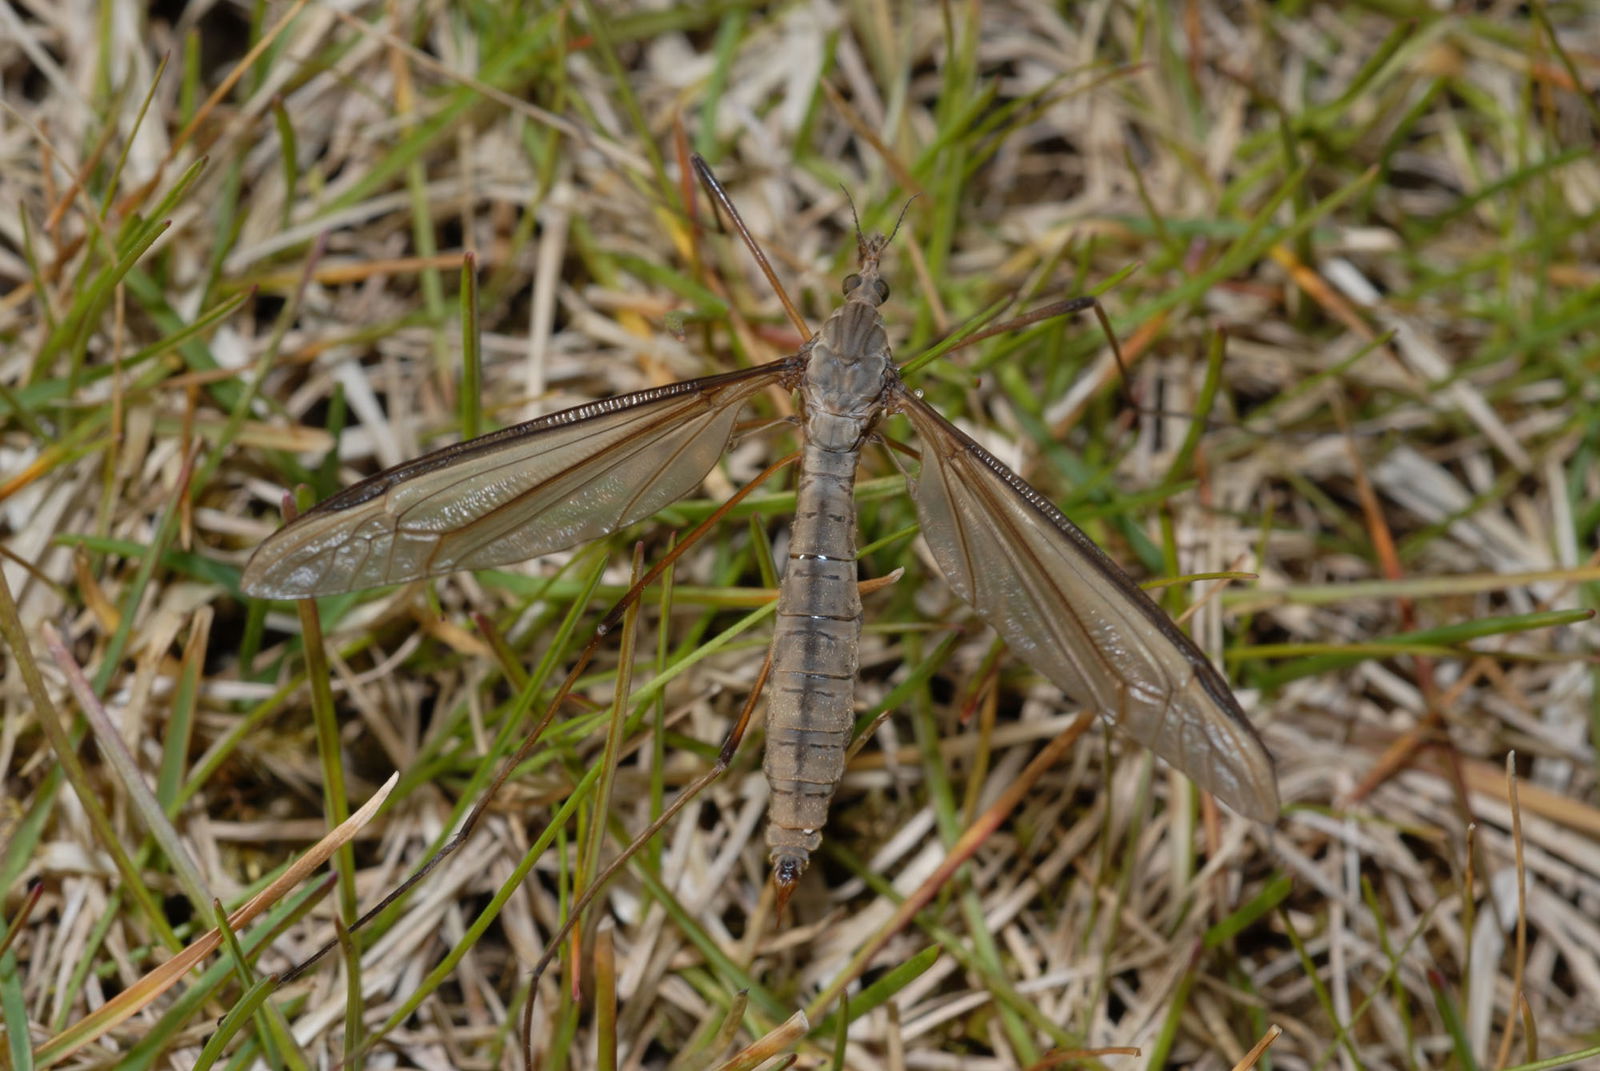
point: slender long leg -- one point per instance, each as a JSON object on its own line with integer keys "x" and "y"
{"x": 957, "y": 340}
{"x": 609, "y": 622}
{"x": 714, "y": 188}
{"x": 730, "y": 747}
{"x": 959, "y": 853}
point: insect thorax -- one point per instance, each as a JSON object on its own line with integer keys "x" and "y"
{"x": 846, "y": 376}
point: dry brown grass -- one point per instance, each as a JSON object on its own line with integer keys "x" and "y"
{"x": 1380, "y": 223}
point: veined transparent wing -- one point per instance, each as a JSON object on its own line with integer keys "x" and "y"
{"x": 526, "y": 490}
{"x": 1072, "y": 614}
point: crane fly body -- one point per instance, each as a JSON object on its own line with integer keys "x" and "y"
{"x": 1058, "y": 601}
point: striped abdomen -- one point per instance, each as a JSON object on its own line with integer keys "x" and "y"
{"x": 811, "y": 695}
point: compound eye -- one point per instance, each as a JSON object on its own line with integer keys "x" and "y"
{"x": 880, "y": 288}
{"x": 851, "y": 281}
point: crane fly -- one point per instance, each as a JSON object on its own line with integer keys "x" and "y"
{"x": 1061, "y": 605}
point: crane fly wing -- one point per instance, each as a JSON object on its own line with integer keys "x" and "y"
{"x": 526, "y": 490}
{"x": 1073, "y": 615}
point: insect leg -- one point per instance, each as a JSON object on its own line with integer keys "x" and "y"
{"x": 720, "y": 196}
{"x": 608, "y": 623}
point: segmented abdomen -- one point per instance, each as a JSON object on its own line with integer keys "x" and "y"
{"x": 810, "y": 706}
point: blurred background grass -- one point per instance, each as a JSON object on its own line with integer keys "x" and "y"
{"x": 1350, "y": 252}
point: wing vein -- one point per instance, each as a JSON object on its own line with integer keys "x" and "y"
{"x": 1067, "y": 610}
{"x": 514, "y": 494}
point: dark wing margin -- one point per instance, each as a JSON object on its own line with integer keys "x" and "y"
{"x": 513, "y": 494}
{"x": 1071, "y": 613}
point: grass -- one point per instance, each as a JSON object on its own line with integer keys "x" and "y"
{"x": 1350, "y": 256}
